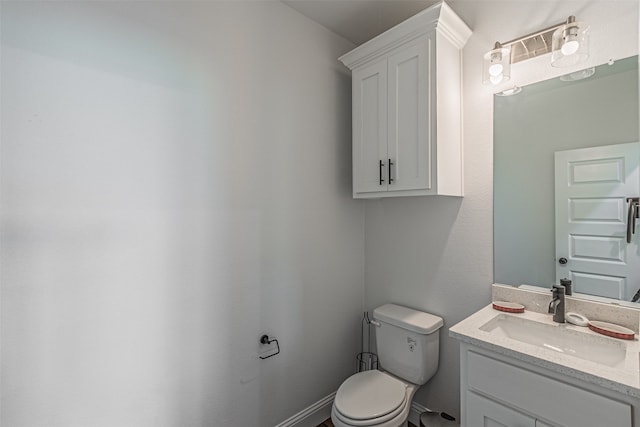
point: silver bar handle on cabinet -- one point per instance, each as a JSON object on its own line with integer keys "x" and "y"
{"x": 390, "y": 164}
{"x": 380, "y": 166}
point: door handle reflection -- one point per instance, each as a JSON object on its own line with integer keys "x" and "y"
{"x": 632, "y": 215}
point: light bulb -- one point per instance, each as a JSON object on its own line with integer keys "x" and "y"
{"x": 570, "y": 47}
{"x": 496, "y": 79}
{"x": 496, "y": 65}
{"x": 495, "y": 70}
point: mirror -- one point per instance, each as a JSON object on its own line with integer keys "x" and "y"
{"x": 564, "y": 115}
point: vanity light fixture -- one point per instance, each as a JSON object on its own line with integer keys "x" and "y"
{"x": 497, "y": 65}
{"x": 567, "y": 42}
{"x": 570, "y": 43}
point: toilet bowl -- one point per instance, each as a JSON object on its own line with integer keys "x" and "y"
{"x": 408, "y": 344}
{"x": 373, "y": 399}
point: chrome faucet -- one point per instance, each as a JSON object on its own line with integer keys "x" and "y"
{"x": 556, "y": 306}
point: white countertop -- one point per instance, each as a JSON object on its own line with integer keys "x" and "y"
{"x": 623, "y": 379}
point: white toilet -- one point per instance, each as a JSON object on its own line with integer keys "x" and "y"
{"x": 408, "y": 349}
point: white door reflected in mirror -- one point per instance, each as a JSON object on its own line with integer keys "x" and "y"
{"x": 591, "y": 190}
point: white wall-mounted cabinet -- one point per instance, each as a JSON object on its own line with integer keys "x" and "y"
{"x": 407, "y": 108}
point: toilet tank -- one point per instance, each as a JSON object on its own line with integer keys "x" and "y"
{"x": 408, "y": 342}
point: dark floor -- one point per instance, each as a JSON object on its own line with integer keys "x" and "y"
{"x": 328, "y": 423}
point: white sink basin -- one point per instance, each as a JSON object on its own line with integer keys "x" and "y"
{"x": 583, "y": 345}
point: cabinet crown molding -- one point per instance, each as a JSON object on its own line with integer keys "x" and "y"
{"x": 439, "y": 17}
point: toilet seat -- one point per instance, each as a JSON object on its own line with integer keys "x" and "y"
{"x": 370, "y": 398}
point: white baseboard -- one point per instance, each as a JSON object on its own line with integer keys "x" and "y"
{"x": 316, "y": 413}
{"x": 417, "y": 409}
{"x": 312, "y": 415}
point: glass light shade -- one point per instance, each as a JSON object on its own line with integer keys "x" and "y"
{"x": 510, "y": 92}
{"x": 578, "y": 75}
{"x": 570, "y": 44}
{"x": 496, "y": 65}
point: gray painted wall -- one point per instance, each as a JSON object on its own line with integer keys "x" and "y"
{"x": 176, "y": 181}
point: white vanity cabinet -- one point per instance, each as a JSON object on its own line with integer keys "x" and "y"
{"x": 406, "y": 87}
{"x": 498, "y": 390}
{"x": 481, "y": 411}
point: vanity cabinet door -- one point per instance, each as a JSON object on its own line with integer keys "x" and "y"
{"x": 487, "y": 413}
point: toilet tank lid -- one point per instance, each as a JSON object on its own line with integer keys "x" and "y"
{"x": 407, "y": 318}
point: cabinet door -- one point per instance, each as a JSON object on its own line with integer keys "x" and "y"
{"x": 370, "y": 128}
{"x": 409, "y": 116}
{"x": 483, "y": 412}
